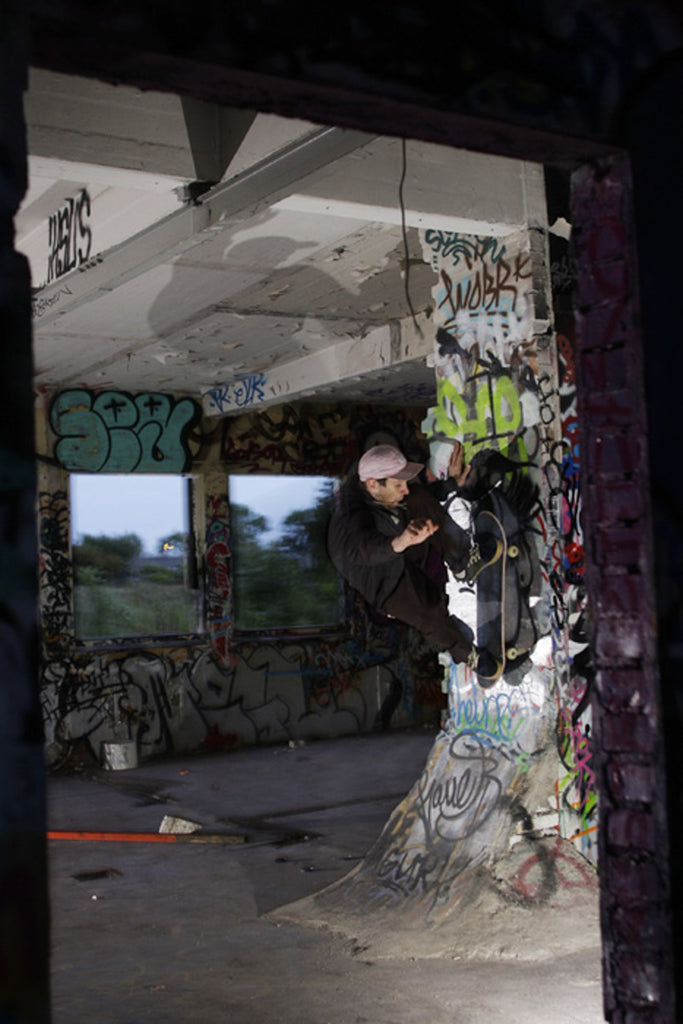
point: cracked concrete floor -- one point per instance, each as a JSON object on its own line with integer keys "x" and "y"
{"x": 178, "y": 930}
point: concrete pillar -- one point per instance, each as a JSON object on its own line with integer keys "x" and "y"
{"x": 24, "y": 937}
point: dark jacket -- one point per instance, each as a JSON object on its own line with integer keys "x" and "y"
{"x": 360, "y": 534}
{"x": 359, "y": 542}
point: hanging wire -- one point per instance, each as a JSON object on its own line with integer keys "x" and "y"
{"x": 406, "y": 282}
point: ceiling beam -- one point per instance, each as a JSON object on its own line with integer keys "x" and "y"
{"x": 393, "y": 214}
{"x": 388, "y": 346}
{"x": 215, "y": 134}
{"x": 266, "y": 183}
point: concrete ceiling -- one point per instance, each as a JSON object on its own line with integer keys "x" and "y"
{"x": 240, "y": 258}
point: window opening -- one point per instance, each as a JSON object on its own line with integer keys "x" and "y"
{"x": 133, "y": 555}
{"x": 282, "y": 575}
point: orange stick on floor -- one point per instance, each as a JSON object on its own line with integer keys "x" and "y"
{"x": 149, "y": 837}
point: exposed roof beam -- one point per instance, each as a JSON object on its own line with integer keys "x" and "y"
{"x": 387, "y": 346}
{"x": 262, "y": 185}
{"x": 392, "y": 214}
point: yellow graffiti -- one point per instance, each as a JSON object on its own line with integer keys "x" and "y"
{"x": 497, "y": 413}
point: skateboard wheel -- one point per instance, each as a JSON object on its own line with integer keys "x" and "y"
{"x": 511, "y": 653}
{"x": 513, "y": 551}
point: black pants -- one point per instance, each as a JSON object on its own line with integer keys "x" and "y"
{"x": 420, "y": 601}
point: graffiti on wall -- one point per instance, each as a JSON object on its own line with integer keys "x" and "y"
{"x": 69, "y": 236}
{"x": 170, "y": 700}
{"x": 241, "y": 392}
{"x": 114, "y": 432}
{"x": 316, "y": 439}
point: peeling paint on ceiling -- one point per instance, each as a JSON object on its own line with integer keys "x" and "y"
{"x": 299, "y": 250}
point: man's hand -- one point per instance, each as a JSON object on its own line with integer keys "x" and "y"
{"x": 416, "y": 532}
{"x": 455, "y": 466}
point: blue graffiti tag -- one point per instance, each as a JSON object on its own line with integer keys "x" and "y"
{"x": 239, "y": 393}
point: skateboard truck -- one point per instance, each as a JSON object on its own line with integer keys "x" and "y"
{"x": 480, "y": 560}
{"x": 485, "y": 665}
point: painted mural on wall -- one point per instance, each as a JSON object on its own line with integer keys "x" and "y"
{"x": 113, "y": 432}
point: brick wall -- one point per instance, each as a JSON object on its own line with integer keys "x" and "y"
{"x": 633, "y": 843}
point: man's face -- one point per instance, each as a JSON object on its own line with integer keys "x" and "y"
{"x": 391, "y": 492}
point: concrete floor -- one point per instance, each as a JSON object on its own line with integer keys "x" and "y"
{"x": 149, "y": 931}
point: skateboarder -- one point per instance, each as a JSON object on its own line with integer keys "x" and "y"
{"x": 390, "y": 542}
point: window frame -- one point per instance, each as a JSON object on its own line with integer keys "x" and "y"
{"x": 188, "y": 638}
{"x": 331, "y": 630}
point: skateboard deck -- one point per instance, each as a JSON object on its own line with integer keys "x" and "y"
{"x": 505, "y": 620}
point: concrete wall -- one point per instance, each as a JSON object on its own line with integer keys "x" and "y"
{"x": 218, "y": 689}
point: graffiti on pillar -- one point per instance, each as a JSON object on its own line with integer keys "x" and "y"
{"x": 458, "y": 814}
{"x": 501, "y": 401}
{"x": 574, "y": 675}
{"x": 114, "y": 432}
{"x": 487, "y": 390}
{"x": 218, "y": 569}
{"x": 493, "y": 399}
{"x": 54, "y": 567}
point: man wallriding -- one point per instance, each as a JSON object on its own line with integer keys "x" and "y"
{"x": 392, "y": 542}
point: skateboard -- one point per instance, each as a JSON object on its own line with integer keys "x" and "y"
{"x": 504, "y": 588}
